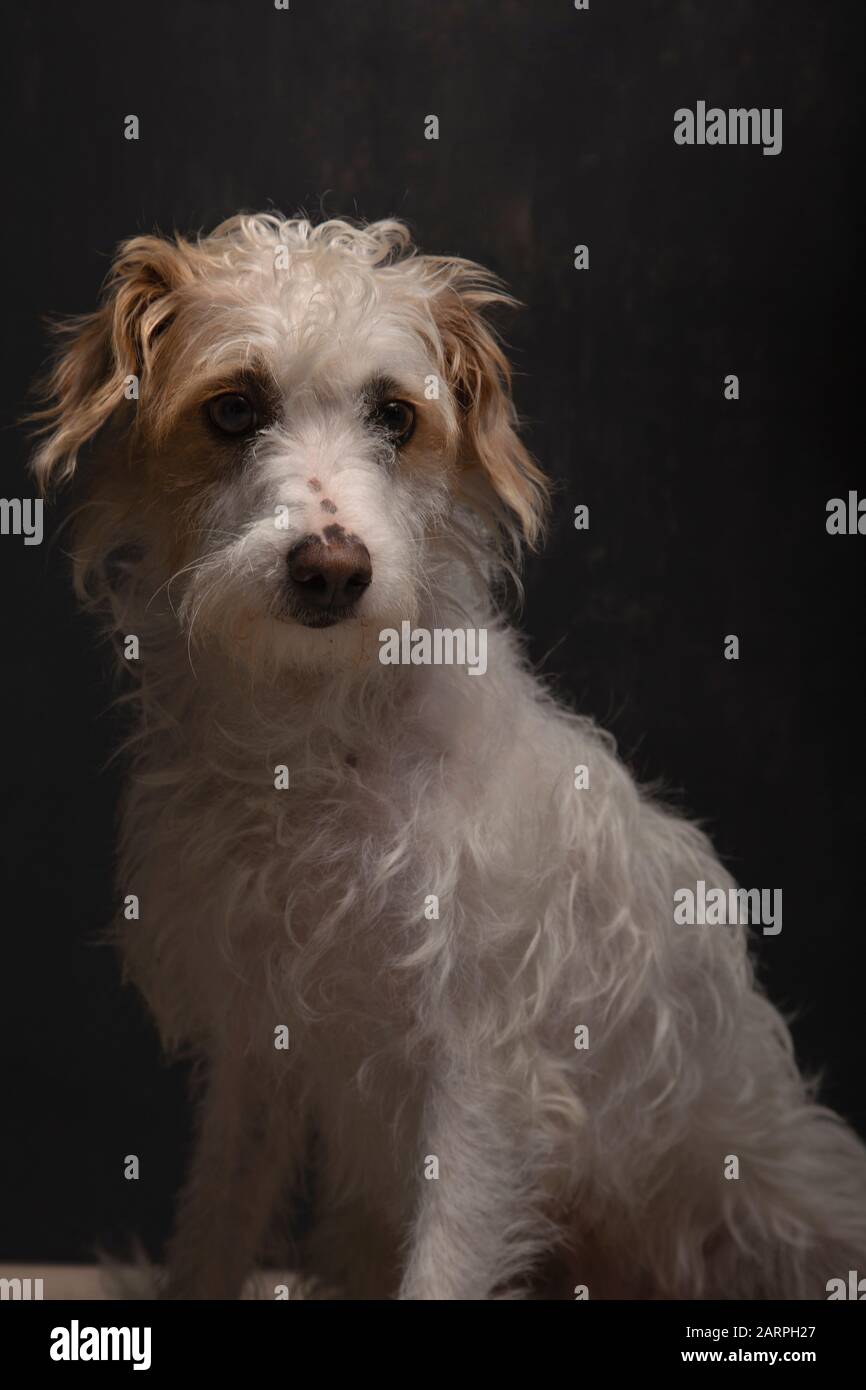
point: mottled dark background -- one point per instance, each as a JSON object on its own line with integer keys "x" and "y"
{"x": 707, "y": 517}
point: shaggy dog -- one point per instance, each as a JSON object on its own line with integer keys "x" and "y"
{"x": 417, "y": 929}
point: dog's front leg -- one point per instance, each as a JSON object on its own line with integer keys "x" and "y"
{"x": 477, "y": 1226}
{"x": 248, "y": 1149}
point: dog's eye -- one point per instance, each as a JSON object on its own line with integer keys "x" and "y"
{"x": 232, "y": 414}
{"x": 397, "y": 419}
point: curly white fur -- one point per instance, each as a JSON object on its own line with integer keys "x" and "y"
{"x": 412, "y": 1037}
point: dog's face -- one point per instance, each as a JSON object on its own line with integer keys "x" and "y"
{"x": 290, "y": 426}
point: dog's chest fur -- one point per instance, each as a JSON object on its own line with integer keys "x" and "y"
{"x": 292, "y": 868}
{"x": 309, "y": 880}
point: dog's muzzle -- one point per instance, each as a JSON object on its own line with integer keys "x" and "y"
{"x": 326, "y": 578}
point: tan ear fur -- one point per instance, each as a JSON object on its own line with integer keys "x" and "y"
{"x": 99, "y": 351}
{"x": 480, "y": 377}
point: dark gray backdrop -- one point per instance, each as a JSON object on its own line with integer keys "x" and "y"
{"x": 707, "y": 517}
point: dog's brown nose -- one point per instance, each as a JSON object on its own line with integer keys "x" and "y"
{"x": 329, "y": 574}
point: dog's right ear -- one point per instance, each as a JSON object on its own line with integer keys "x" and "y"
{"x": 98, "y": 353}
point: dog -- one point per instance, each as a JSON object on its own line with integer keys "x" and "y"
{"x": 416, "y": 930}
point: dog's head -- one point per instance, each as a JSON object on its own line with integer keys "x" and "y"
{"x": 295, "y": 428}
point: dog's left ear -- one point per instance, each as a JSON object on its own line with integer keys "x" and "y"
{"x": 480, "y": 378}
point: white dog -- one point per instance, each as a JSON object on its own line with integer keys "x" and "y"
{"x": 414, "y": 952}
